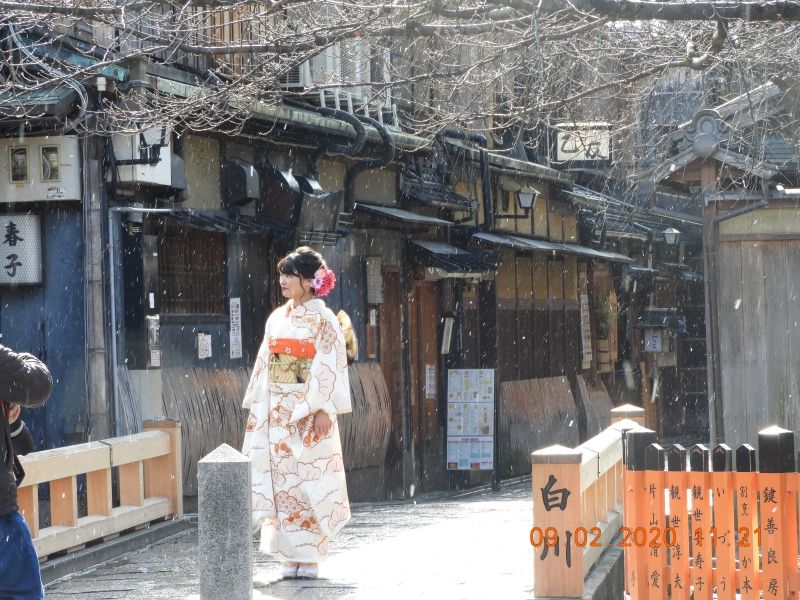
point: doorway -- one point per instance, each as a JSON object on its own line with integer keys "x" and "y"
{"x": 427, "y": 423}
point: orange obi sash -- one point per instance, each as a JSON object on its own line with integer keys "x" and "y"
{"x": 292, "y": 347}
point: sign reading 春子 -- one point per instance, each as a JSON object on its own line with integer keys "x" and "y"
{"x": 20, "y": 249}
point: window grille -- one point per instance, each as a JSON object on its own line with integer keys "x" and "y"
{"x": 192, "y": 271}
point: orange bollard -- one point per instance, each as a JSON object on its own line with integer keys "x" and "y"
{"x": 701, "y": 533}
{"x": 679, "y": 574}
{"x": 636, "y": 442}
{"x": 724, "y": 525}
{"x": 776, "y": 460}
{"x": 656, "y": 523}
{"x": 748, "y": 576}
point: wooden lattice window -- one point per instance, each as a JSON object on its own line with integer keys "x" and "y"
{"x": 192, "y": 271}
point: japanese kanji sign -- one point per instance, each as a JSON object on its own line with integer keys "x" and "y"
{"x": 20, "y": 249}
{"x": 586, "y": 142}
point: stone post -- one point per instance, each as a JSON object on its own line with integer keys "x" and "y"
{"x": 225, "y": 546}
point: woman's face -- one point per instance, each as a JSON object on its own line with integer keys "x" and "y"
{"x": 292, "y": 286}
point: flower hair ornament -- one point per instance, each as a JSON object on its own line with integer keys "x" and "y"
{"x": 323, "y": 281}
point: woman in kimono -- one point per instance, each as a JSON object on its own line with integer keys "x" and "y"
{"x": 298, "y": 387}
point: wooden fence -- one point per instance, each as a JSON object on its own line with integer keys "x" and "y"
{"x": 711, "y": 523}
{"x": 577, "y": 506}
{"x": 697, "y": 524}
{"x": 148, "y": 487}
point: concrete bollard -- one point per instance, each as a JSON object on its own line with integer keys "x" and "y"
{"x": 225, "y": 547}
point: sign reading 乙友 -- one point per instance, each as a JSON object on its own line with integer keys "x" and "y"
{"x": 584, "y": 143}
{"x": 20, "y": 249}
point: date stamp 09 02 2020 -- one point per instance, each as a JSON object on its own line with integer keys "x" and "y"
{"x": 640, "y": 537}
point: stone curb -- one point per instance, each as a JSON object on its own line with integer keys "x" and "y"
{"x": 80, "y": 560}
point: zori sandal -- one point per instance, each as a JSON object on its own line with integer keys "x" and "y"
{"x": 308, "y": 570}
{"x": 289, "y": 570}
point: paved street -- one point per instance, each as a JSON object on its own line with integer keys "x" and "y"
{"x": 472, "y": 545}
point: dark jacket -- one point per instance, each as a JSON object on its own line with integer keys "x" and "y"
{"x": 21, "y": 437}
{"x": 23, "y": 380}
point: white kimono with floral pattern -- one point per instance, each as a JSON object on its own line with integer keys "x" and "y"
{"x": 299, "y": 490}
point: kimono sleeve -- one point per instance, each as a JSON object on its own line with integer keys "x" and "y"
{"x": 329, "y": 382}
{"x": 253, "y": 387}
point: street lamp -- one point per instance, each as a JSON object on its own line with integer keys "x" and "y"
{"x": 671, "y": 236}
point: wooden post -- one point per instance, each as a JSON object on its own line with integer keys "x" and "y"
{"x": 656, "y": 523}
{"x": 708, "y": 183}
{"x": 28, "y": 500}
{"x": 628, "y": 411}
{"x": 98, "y": 492}
{"x": 747, "y": 520}
{"x": 701, "y": 534}
{"x": 724, "y": 522}
{"x": 775, "y": 460}
{"x": 635, "y": 442}
{"x": 131, "y": 484}
{"x": 617, "y": 483}
{"x": 608, "y": 448}
{"x": 64, "y": 502}
{"x": 679, "y": 577}
{"x": 163, "y": 476}
{"x": 557, "y": 567}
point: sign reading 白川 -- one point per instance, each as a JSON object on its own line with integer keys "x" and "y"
{"x": 20, "y": 249}
{"x": 470, "y": 419}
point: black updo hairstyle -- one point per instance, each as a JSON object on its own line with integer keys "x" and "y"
{"x": 303, "y": 262}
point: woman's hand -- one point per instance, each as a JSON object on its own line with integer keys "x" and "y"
{"x": 13, "y": 412}
{"x": 322, "y": 423}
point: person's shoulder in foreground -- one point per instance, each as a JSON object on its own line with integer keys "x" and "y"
{"x": 24, "y": 379}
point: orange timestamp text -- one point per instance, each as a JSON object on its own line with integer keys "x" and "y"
{"x": 638, "y": 537}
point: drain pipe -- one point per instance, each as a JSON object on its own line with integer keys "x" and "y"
{"x": 351, "y": 148}
{"x": 486, "y": 186}
{"x": 372, "y": 163}
{"x": 115, "y": 408}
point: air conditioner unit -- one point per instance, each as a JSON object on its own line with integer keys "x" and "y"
{"x": 144, "y": 158}
{"x": 40, "y": 168}
{"x": 355, "y": 61}
{"x": 324, "y": 69}
{"x": 362, "y": 63}
{"x": 294, "y": 77}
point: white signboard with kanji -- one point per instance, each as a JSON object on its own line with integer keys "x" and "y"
{"x": 236, "y": 327}
{"x": 20, "y": 249}
{"x": 589, "y": 143}
{"x": 652, "y": 341}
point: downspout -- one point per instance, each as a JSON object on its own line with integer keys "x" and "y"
{"x": 486, "y": 186}
{"x": 112, "y": 287}
{"x": 353, "y": 147}
{"x": 372, "y": 163}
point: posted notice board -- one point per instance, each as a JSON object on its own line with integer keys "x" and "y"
{"x": 470, "y": 419}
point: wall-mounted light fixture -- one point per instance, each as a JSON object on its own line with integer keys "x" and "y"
{"x": 671, "y": 236}
{"x": 526, "y": 198}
